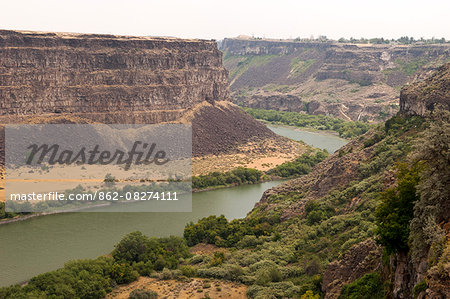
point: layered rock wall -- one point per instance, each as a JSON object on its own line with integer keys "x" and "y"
{"x": 425, "y": 96}
{"x": 349, "y": 81}
{"x": 117, "y": 76}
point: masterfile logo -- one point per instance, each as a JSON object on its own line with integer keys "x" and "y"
{"x": 97, "y": 167}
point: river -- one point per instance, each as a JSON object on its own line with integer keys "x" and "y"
{"x": 318, "y": 139}
{"x": 42, "y": 244}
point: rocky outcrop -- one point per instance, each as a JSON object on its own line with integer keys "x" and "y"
{"x": 360, "y": 259}
{"x": 356, "y": 82}
{"x": 422, "y": 97}
{"x": 48, "y": 77}
{"x": 332, "y": 174}
{"x": 217, "y": 129}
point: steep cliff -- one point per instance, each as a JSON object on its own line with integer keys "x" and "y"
{"x": 357, "y": 82}
{"x": 117, "y": 76}
{"x": 122, "y": 79}
{"x": 418, "y": 98}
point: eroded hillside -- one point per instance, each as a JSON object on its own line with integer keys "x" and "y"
{"x": 370, "y": 221}
{"x": 349, "y": 81}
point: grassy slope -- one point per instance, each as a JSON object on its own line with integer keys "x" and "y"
{"x": 323, "y": 227}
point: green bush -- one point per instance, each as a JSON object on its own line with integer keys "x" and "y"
{"x": 393, "y": 215}
{"x": 238, "y": 176}
{"x": 188, "y": 271}
{"x": 160, "y": 252}
{"x": 123, "y": 273}
{"x": 218, "y": 231}
{"x": 218, "y": 259}
{"x": 370, "y": 286}
{"x": 300, "y": 166}
{"x": 375, "y": 139}
{"x": 143, "y": 268}
{"x": 316, "y": 212}
{"x": 77, "y": 279}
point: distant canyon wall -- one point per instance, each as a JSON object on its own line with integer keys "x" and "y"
{"x": 353, "y": 82}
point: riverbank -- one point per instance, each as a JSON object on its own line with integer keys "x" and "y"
{"x": 71, "y": 236}
{"x": 304, "y": 129}
{"x": 42, "y": 244}
{"x": 320, "y": 139}
{"x": 28, "y": 216}
{"x": 346, "y": 129}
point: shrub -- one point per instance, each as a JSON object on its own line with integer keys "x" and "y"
{"x": 166, "y": 274}
{"x": 77, "y": 279}
{"x": 369, "y": 286}
{"x": 419, "y": 288}
{"x": 143, "y": 294}
{"x": 393, "y": 215}
{"x": 160, "y": 252}
{"x": 218, "y": 231}
{"x": 310, "y": 295}
{"x": 188, "y": 271}
{"x": 143, "y": 268}
{"x": 316, "y": 212}
{"x": 217, "y": 259}
{"x": 300, "y": 166}
{"x": 250, "y": 241}
{"x": 123, "y": 273}
{"x": 236, "y": 176}
{"x": 373, "y": 140}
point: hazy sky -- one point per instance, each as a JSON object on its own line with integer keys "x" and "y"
{"x": 211, "y": 19}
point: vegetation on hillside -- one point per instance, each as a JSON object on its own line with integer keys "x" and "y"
{"x": 393, "y": 215}
{"x": 346, "y": 129}
{"x": 300, "y": 166}
{"x": 244, "y": 63}
{"x": 278, "y": 257}
{"x": 369, "y": 286}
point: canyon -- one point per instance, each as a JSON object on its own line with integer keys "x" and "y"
{"x": 91, "y": 78}
{"x": 349, "y": 81}
{"x": 353, "y": 178}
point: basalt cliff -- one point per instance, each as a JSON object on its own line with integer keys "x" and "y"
{"x": 91, "y": 78}
{"x": 349, "y": 81}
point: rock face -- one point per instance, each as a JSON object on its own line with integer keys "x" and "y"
{"x": 423, "y": 96}
{"x": 59, "y": 77}
{"x": 353, "y": 82}
{"x": 117, "y": 76}
{"x": 210, "y": 136}
{"x": 360, "y": 259}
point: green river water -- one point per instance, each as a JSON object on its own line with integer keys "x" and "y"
{"x": 41, "y": 244}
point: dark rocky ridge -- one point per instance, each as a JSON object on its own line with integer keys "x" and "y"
{"x": 210, "y": 136}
